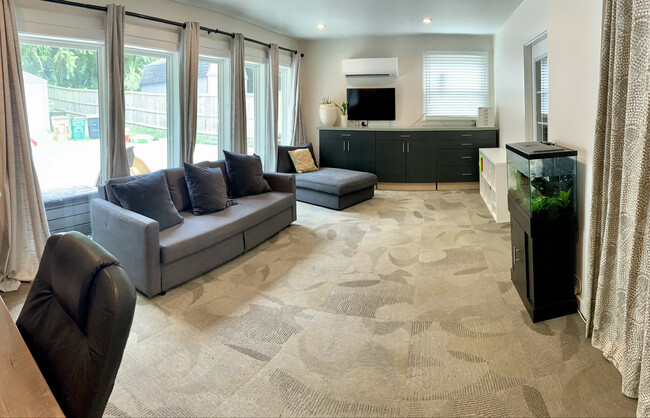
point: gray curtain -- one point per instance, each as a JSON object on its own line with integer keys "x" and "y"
{"x": 23, "y": 226}
{"x": 115, "y": 162}
{"x": 189, "y": 89}
{"x": 238, "y": 96}
{"x": 618, "y": 285}
{"x": 270, "y": 142}
{"x": 298, "y": 136}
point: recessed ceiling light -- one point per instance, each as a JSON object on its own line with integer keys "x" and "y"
{"x": 320, "y": 26}
{"x": 426, "y": 20}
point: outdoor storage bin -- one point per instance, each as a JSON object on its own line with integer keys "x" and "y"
{"x": 78, "y": 127}
{"x": 93, "y": 126}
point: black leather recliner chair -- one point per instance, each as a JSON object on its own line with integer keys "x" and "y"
{"x": 76, "y": 322}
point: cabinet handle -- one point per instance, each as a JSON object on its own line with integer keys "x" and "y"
{"x": 408, "y": 147}
{"x": 465, "y": 158}
{"x": 403, "y": 148}
{"x": 343, "y": 146}
{"x": 467, "y": 144}
{"x": 348, "y": 146}
{"x": 346, "y": 134}
{"x": 466, "y": 135}
{"x": 405, "y": 136}
{"x": 466, "y": 174}
{"x": 515, "y": 250}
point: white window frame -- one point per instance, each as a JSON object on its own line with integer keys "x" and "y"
{"x": 285, "y": 130}
{"x": 484, "y": 54}
{"x": 223, "y": 98}
{"x": 260, "y": 80}
{"x": 534, "y": 50}
{"x": 173, "y": 103}
{"x": 98, "y": 46}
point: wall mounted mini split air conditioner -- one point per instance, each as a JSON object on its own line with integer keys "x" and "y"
{"x": 370, "y": 67}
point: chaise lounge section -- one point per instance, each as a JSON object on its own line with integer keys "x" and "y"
{"x": 158, "y": 260}
{"x": 333, "y": 188}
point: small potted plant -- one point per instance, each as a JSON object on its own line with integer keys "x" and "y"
{"x": 344, "y": 113}
{"x": 327, "y": 112}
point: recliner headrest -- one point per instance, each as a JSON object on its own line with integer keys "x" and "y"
{"x": 76, "y": 261}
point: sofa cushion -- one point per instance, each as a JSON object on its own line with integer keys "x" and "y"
{"x": 245, "y": 175}
{"x": 336, "y": 181}
{"x": 303, "y": 161}
{"x": 285, "y": 165}
{"x": 268, "y": 204}
{"x": 206, "y": 187}
{"x": 149, "y": 196}
{"x": 178, "y": 187}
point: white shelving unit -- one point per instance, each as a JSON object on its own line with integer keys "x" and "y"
{"x": 494, "y": 182}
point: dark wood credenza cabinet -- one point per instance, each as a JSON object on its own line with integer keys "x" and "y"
{"x": 409, "y": 155}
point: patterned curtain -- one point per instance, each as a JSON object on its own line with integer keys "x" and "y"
{"x": 618, "y": 285}
{"x": 23, "y": 226}
{"x": 189, "y": 89}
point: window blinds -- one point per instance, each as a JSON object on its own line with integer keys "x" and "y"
{"x": 455, "y": 84}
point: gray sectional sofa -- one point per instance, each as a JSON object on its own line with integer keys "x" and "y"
{"x": 156, "y": 261}
{"x": 333, "y": 188}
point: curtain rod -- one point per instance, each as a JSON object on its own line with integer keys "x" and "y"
{"x": 166, "y": 21}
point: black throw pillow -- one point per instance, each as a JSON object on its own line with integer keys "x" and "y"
{"x": 206, "y": 187}
{"x": 149, "y": 196}
{"x": 245, "y": 176}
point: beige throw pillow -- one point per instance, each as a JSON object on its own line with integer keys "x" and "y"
{"x": 302, "y": 160}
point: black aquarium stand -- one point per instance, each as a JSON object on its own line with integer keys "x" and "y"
{"x": 543, "y": 246}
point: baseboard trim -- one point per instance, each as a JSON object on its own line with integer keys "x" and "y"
{"x": 406, "y": 186}
{"x": 459, "y": 186}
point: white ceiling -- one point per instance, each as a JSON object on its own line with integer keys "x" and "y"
{"x": 346, "y": 18}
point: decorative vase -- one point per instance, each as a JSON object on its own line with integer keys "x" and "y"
{"x": 344, "y": 121}
{"x": 327, "y": 114}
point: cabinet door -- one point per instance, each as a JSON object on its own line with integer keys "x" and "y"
{"x": 420, "y": 160}
{"x": 332, "y": 152}
{"x": 519, "y": 250}
{"x": 361, "y": 155}
{"x": 391, "y": 163}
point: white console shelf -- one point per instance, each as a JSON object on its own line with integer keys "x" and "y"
{"x": 494, "y": 182}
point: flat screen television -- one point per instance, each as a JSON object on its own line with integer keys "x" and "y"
{"x": 371, "y": 104}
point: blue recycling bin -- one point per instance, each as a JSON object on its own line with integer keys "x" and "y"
{"x": 93, "y": 126}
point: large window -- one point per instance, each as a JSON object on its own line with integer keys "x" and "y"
{"x": 455, "y": 83}
{"x": 148, "y": 88}
{"x": 210, "y": 123}
{"x": 536, "y": 81}
{"x": 62, "y": 96}
{"x": 541, "y": 99}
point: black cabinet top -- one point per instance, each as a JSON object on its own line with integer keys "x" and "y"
{"x": 539, "y": 150}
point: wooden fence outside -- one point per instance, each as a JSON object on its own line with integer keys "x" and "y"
{"x": 142, "y": 109}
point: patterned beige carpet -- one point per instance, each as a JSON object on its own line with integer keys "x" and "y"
{"x": 399, "y": 306}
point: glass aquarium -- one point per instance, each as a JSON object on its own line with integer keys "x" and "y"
{"x": 542, "y": 178}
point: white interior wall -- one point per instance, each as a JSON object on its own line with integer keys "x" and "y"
{"x": 574, "y": 61}
{"x": 322, "y": 75}
{"x": 528, "y": 21}
{"x": 574, "y": 36}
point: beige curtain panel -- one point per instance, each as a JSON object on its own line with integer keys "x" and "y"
{"x": 617, "y": 289}
{"x": 298, "y": 136}
{"x": 238, "y": 96}
{"x": 23, "y": 226}
{"x": 115, "y": 162}
{"x": 189, "y": 89}
{"x": 270, "y": 143}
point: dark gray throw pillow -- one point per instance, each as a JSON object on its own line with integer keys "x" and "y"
{"x": 149, "y": 196}
{"x": 206, "y": 187}
{"x": 245, "y": 176}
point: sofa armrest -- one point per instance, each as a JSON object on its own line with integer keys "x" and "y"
{"x": 133, "y": 239}
{"x": 281, "y": 182}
